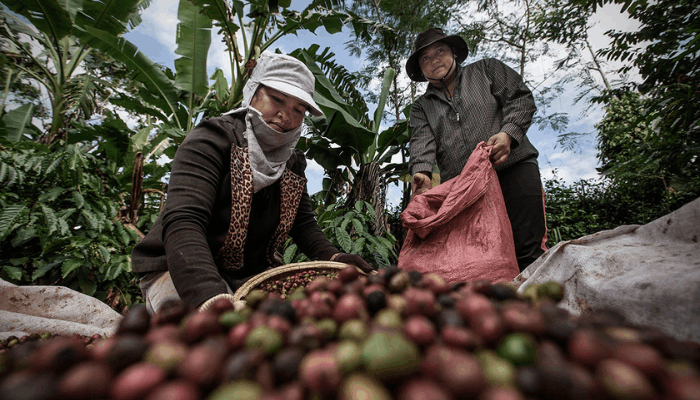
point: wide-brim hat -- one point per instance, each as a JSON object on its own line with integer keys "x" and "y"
{"x": 286, "y": 74}
{"x": 425, "y": 39}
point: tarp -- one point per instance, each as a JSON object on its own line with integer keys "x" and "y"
{"x": 57, "y": 309}
{"x": 648, "y": 273}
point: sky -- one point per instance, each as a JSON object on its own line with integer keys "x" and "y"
{"x": 155, "y": 37}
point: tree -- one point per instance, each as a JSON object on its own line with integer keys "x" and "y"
{"x": 629, "y": 155}
{"x": 656, "y": 131}
{"x": 670, "y": 69}
{"x": 406, "y": 19}
{"x": 568, "y": 24}
{"x": 47, "y": 51}
{"x": 515, "y": 32}
{"x": 350, "y": 139}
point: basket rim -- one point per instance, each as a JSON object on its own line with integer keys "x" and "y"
{"x": 263, "y": 276}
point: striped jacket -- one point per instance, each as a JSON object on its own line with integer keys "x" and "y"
{"x": 489, "y": 97}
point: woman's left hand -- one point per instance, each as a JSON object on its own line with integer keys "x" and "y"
{"x": 501, "y": 147}
{"x": 353, "y": 259}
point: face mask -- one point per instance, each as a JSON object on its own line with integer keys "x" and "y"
{"x": 268, "y": 138}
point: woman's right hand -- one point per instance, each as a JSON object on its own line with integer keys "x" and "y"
{"x": 421, "y": 183}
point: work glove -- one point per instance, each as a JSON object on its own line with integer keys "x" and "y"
{"x": 352, "y": 259}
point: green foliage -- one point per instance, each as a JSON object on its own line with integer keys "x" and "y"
{"x": 58, "y": 225}
{"x": 635, "y": 151}
{"x": 350, "y": 231}
{"x": 590, "y": 206}
{"x": 349, "y": 143}
{"x": 43, "y": 39}
{"x": 666, "y": 52}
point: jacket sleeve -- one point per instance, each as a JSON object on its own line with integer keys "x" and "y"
{"x": 198, "y": 167}
{"x": 305, "y": 231}
{"x": 422, "y": 146}
{"x": 514, "y": 97}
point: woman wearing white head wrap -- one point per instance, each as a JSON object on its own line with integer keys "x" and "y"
{"x": 237, "y": 190}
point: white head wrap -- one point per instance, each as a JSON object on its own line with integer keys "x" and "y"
{"x": 268, "y": 149}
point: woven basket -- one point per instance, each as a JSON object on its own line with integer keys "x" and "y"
{"x": 284, "y": 271}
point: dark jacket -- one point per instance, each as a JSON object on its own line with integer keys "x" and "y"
{"x": 213, "y": 228}
{"x": 489, "y": 97}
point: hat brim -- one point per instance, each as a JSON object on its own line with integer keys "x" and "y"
{"x": 459, "y": 46}
{"x": 295, "y": 92}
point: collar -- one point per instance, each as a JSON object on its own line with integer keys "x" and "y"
{"x": 432, "y": 90}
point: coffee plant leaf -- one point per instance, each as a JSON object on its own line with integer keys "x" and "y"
{"x": 55, "y": 245}
{"x": 122, "y": 234}
{"x": 370, "y": 210}
{"x": 289, "y": 253}
{"x": 358, "y": 246}
{"x": 41, "y": 271}
{"x": 379, "y": 247}
{"x": 344, "y": 225}
{"x": 78, "y": 242}
{"x": 23, "y": 235}
{"x": 104, "y": 254}
{"x": 63, "y": 227}
{"x": 70, "y": 266}
{"x": 114, "y": 270}
{"x": 50, "y": 218}
{"x": 357, "y": 224}
{"x": 51, "y": 195}
{"x": 386, "y": 242}
{"x": 90, "y": 219}
{"x": 13, "y": 272}
{"x": 344, "y": 240}
{"x": 8, "y": 218}
{"x": 358, "y": 206}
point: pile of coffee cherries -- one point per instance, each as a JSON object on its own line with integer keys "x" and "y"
{"x": 389, "y": 335}
{"x": 289, "y": 283}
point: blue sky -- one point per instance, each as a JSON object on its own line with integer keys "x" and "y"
{"x": 155, "y": 37}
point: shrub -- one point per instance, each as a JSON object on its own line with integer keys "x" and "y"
{"x": 351, "y": 232}
{"x": 58, "y": 223}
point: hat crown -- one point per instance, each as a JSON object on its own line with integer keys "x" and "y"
{"x": 284, "y": 69}
{"x": 426, "y": 38}
{"x": 429, "y": 36}
{"x": 286, "y": 74}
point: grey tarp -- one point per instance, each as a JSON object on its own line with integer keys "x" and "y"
{"x": 648, "y": 273}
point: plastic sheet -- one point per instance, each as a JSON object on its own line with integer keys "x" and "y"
{"x": 460, "y": 229}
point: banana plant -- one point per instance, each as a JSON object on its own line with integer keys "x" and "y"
{"x": 42, "y": 36}
{"x": 348, "y": 139}
{"x": 172, "y": 100}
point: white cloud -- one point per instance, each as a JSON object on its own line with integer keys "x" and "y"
{"x": 569, "y": 166}
{"x": 312, "y": 165}
{"x": 394, "y": 195}
{"x": 160, "y": 22}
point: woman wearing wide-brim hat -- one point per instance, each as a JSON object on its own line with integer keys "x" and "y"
{"x": 462, "y": 106}
{"x": 237, "y": 191}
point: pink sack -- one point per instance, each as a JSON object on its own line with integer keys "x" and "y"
{"x": 460, "y": 229}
